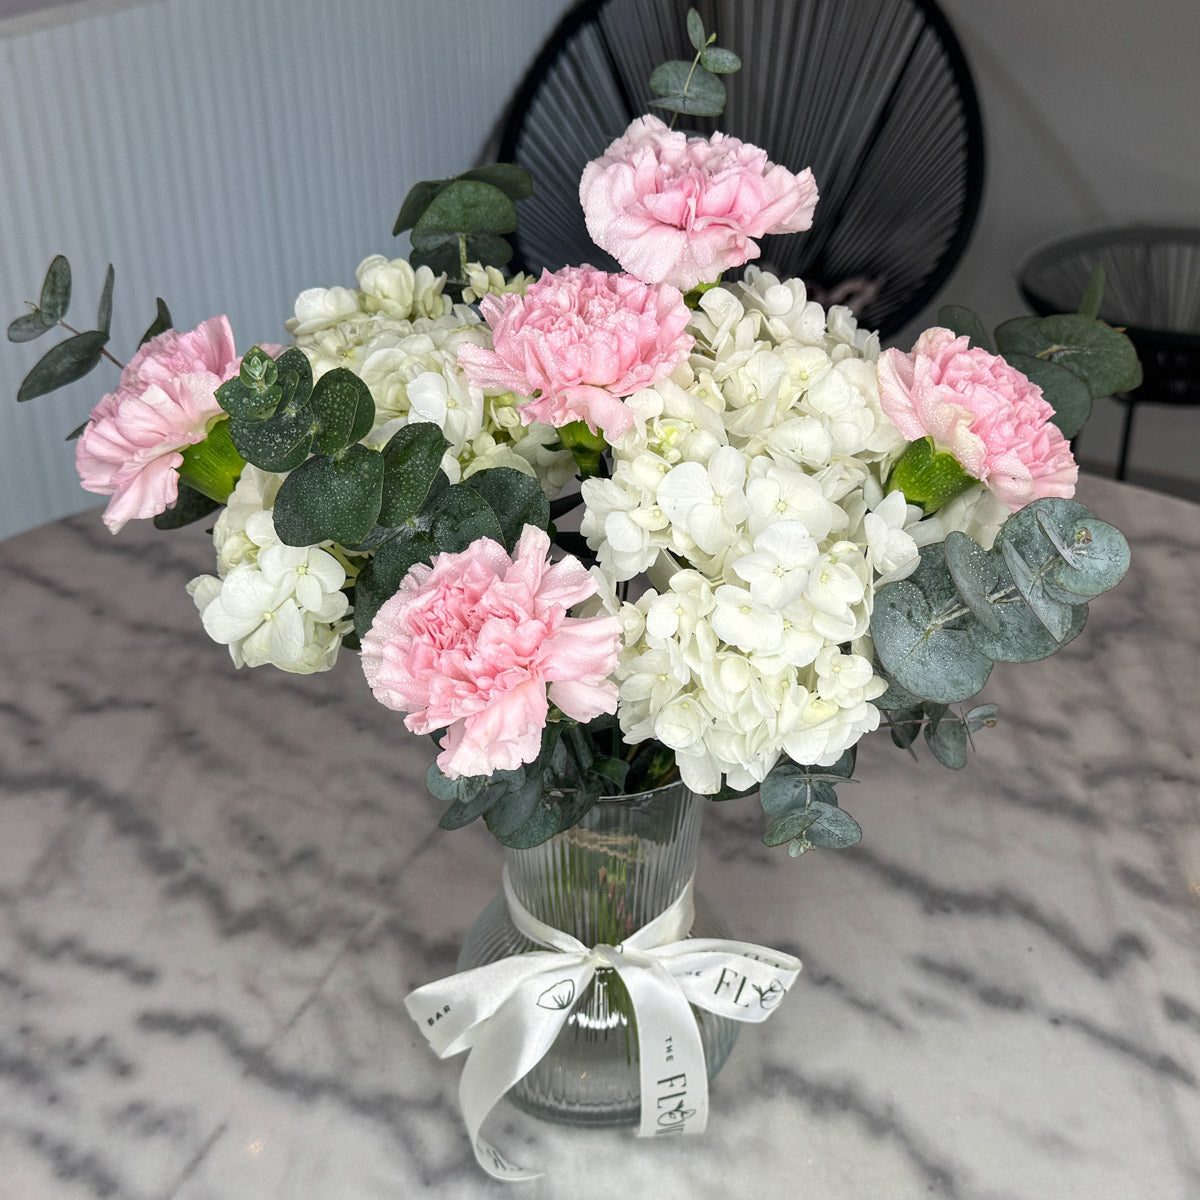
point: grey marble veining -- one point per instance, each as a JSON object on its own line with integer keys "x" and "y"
{"x": 217, "y": 886}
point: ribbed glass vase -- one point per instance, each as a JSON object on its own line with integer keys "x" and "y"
{"x": 625, "y": 863}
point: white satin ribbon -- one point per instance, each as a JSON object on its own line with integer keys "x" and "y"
{"x": 508, "y": 1013}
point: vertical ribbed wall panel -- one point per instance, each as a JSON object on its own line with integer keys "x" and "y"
{"x": 223, "y": 154}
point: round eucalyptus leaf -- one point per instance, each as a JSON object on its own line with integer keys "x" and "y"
{"x": 1022, "y": 637}
{"x": 517, "y": 500}
{"x": 419, "y": 198}
{"x": 681, "y": 89}
{"x": 380, "y": 579}
{"x": 1099, "y": 561}
{"x": 833, "y": 829}
{"x": 962, "y": 321}
{"x": 791, "y": 824}
{"x": 278, "y": 444}
{"x": 695, "y": 29}
{"x": 1026, "y": 530}
{"x": 1098, "y": 354}
{"x": 948, "y": 741}
{"x": 343, "y": 411}
{"x": 939, "y": 664}
{"x": 514, "y": 181}
{"x": 720, "y": 61}
{"x": 28, "y": 326}
{"x": 330, "y": 499}
{"x": 1064, "y": 391}
{"x": 976, "y": 575}
{"x": 464, "y": 206}
{"x": 461, "y": 517}
{"x": 411, "y": 459}
{"x": 1052, "y": 613}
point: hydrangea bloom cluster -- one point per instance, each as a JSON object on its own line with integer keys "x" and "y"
{"x": 270, "y": 603}
{"x": 401, "y": 335}
{"x": 750, "y": 490}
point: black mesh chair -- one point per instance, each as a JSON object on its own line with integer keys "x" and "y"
{"x": 874, "y": 96}
{"x": 1152, "y": 290}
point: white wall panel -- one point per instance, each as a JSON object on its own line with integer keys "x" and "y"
{"x": 223, "y": 154}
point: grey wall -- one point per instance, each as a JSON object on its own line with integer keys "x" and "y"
{"x": 225, "y": 154}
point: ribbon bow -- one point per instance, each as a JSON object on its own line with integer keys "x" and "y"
{"x": 508, "y": 1013}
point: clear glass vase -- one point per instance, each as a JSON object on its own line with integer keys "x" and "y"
{"x": 625, "y": 863}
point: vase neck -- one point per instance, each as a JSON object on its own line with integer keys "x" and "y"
{"x": 623, "y": 864}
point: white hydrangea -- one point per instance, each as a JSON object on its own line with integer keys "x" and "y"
{"x": 270, "y": 603}
{"x": 401, "y": 334}
{"x": 749, "y": 490}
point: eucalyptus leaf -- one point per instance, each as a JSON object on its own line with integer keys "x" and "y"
{"x": 411, "y": 460}
{"x": 517, "y": 500}
{"x": 62, "y": 364}
{"x": 1093, "y": 294}
{"x": 104, "y": 313}
{"x": 380, "y": 579}
{"x": 465, "y": 206}
{"x": 789, "y": 785}
{"x": 1064, "y": 391}
{"x": 29, "y": 326}
{"x": 1099, "y": 560}
{"x": 720, "y": 61}
{"x": 695, "y": 29}
{"x": 541, "y": 825}
{"x": 1053, "y": 614}
{"x": 982, "y": 716}
{"x": 905, "y": 724}
{"x": 278, "y": 444}
{"x": 253, "y": 393}
{"x": 514, "y": 181}
{"x": 518, "y": 795}
{"x": 1098, "y": 354}
{"x": 56, "y": 291}
{"x": 419, "y": 198}
{"x": 462, "y": 516}
{"x": 960, "y": 321}
{"x": 160, "y": 324}
{"x": 330, "y": 499}
{"x": 1022, "y": 637}
{"x": 834, "y": 829}
{"x": 937, "y": 662}
{"x": 681, "y": 89}
{"x": 343, "y": 411}
{"x": 976, "y": 575}
{"x": 789, "y": 825}
{"x": 948, "y": 742}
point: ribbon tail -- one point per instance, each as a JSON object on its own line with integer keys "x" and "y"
{"x": 673, "y": 1071}
{"x": 513, "y": 1042}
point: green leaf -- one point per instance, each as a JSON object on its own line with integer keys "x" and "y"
{"x": 833, "y": 829}
{"x": 462, "y": 516}
{"x": 189, "y": 506}
{"x": 936, "y": 662}
{"x": 517, "y": 500}
{"x": 906, "y": 724}
{"x": 1064, "y": 391}
{"x": 411, "y": 461}
{"x": 948, "y": 741}
{"x": 518, "y": 794}
{"x": 961, "y": 321}
{"x": 512, "y": 180}
{"x": 160, "y": 324}
{"x": 704, "y": 95}
{"x": 330, "y": 499}
{"x": 253, "y": 393}
{"x": 790, "y": 785}
{"x": 279, "y": 444}
{"x": 1093, "y": 294}
{"x": 63, "y": 364}
{"x": 1053, "y": 614}
{"x": 543, "y": 824}
{"x": 419, "y": 198}
{"x": 343, "y": 410}
{"x": 982, "y": 716}
{"x": 695, "y": 29}
{"x": 1099, "y": 355}
{"x": 789, "y": 825}
{"x": 976, "y": 575}
{"x": 720, "y": 61}
{"x": 104, "y": 314}
{"x": 466, "y": 206}
{"x": 612, "y": 770}
{"x": 29, "y": 326}
{"x": 489, "y": 249}
{"x": 56, "y": 291}
{"x": 380, "y": 579}
{"x": 1099, "y": 559}
{"x": 1022, "y": 637}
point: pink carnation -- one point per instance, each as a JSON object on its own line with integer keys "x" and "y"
{"x": 165, "y": 401}
{"x": 470, "y": 644}
{"x": 987, "y": 414}
{"x": 677, "y": 209}
{"x": 581, "y": 338}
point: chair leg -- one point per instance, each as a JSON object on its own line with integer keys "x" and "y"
{"x": 1126, "y": 435}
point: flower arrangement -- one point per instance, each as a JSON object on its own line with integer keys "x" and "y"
{"x": 787, "y": 536}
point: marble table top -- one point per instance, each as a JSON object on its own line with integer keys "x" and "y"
{"x": 217, "y": 886}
